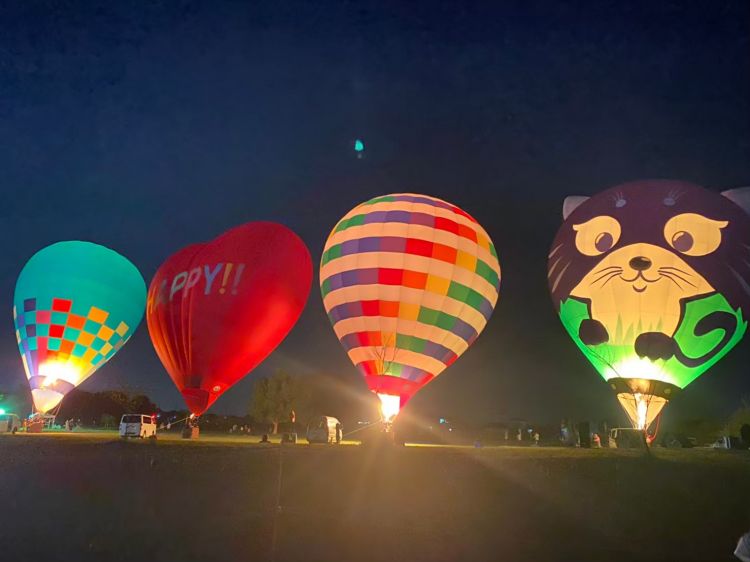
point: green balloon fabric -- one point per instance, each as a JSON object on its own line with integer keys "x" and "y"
{"x": 611, "y": 360}
{"x": 75, "y": 305}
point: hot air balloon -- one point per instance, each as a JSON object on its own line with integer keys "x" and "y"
{"x": 75, "y": 305}
{"x": 215, "y": 310}
{"x": 408, "y": 282}
{"x": 651, "y": 281}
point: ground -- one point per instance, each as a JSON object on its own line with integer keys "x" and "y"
{"x": 93, "y": 497}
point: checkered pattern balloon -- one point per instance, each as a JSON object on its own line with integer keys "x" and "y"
{"x": 75, "y": 305}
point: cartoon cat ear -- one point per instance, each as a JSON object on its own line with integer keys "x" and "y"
{"x": 571, "y": 203}
{"x": 740, "y": 196}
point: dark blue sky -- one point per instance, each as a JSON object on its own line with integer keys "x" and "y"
{"x": 145, "y": 126}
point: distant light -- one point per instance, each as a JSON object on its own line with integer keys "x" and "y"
{"x": 359, "y": 145}
{"x": 442, "y": 420}
{"x": 2, "y": 412}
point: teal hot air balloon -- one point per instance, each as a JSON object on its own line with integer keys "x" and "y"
{"x": 75, "y": 304}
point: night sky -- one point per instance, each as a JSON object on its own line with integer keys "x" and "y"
{"x": 145, "y": 126}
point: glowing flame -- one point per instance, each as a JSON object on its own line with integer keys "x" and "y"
{"x": 46, "y": 397}
{"x": 54, "y": 370}
{"x": 639, "y": 368}
{"x": 389, "y": 406}
{"x": 641, "y": 409}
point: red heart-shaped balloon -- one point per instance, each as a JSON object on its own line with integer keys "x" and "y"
{"x": 216, "y": 310}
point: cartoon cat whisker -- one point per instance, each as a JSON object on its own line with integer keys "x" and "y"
{"x": 610, "y": 268}
{"x": 606, "y": 277}
{"x": 666, "y": 272}
{"x": 673, "y": 281}
{"x": 678, "y": 281}
{"x": 677, "y": 269}
{"x": 670, "y": 274}
{"x": 610, "y": 279}
{"x": 602, "y": 273}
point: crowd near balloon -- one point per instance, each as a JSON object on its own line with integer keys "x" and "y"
{"x": 650, "y": 279}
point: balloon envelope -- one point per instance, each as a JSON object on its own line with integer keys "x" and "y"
{"x": 75, "y": 305}
{"x": 216, "y": 310}
{"x": 408, "y": 282}
{"x": 651, "y": 281}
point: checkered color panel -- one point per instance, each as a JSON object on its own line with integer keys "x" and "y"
{"x": 58, "y": 331}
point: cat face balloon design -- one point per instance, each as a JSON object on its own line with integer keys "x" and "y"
{"x": 652, "y": 281}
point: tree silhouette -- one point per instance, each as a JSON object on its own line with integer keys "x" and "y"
{"x": 275, "y": 397}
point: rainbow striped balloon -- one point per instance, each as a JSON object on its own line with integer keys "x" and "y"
{"x": 408, "y": 282}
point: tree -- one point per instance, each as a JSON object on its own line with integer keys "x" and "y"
{"x": 275, "y": 397}
{"x": 740, "y": 417}
{"x": 117, "y": 397}
{"x": 108, "y": 420}
{"x": 141, "y": 404}
{"x": 89, "y": 407}
{"x": 745, "y": 434}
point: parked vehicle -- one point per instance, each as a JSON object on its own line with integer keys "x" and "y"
{"x": 627, "y": 438}
{"x": 138, "y": 425}
{"x": 9, "y": 423}
{"x": 728, "y": 442}
{"x": 677, "y": 441}
{"x": 324, "y": 429}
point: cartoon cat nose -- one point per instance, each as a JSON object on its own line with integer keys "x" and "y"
{"x": 640, "y": 263}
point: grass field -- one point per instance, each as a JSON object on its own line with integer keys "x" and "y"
{"x": 92, "y": 497}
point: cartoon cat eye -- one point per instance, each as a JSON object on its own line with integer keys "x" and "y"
{"x": 598, "y": 235}
{"x": 693, "y": 234}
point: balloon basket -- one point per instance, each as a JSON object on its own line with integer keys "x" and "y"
{"x": 191, "y": 433}
{"x": 35, "y": 426}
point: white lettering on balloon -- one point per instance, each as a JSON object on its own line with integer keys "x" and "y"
{"x": 186, "y": 281}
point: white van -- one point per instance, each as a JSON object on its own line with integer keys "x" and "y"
{"x": 727, "y": 442}
{"x": 324, "y": 429}
{"x": 138, "y": 425}
{"x": 9, "y": 423}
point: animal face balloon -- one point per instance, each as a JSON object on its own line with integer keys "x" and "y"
{"x": 408, "y": 282}
{"x": 216, "y": 310}
{"x": 75, "y": 305}
{"x": 651, "y": 281}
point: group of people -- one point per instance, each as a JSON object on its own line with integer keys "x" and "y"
{"x": 246, "y": 429}
{"x": 534, "y": 436}
{"x": 571, "y": 435}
